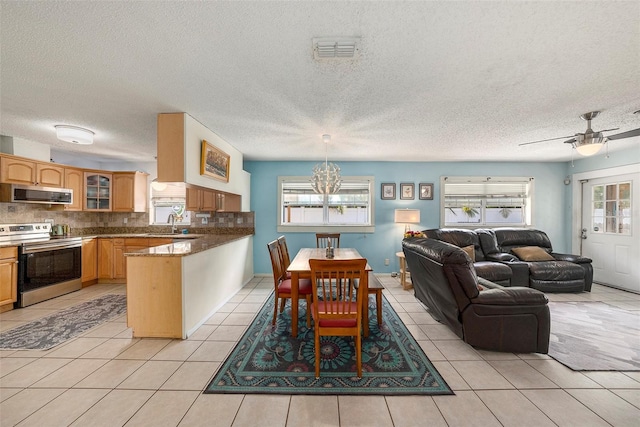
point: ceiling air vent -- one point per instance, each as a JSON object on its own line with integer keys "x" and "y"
{"x": 336, "y": 47}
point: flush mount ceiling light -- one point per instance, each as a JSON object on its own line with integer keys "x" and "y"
{"x": 326, "y": 177}
{"x": 74, "y": 134}
{"x": 336, "y": 47}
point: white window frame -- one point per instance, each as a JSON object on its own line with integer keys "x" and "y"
{"x": 311, "y": 228}
{"x": 480, "y": 180}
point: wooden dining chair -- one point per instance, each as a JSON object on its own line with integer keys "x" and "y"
{"x": 284, "y": 254}
{"x": 282, "y": 285}
{"x": 323, "y": 239}
{"x": 337, "y": 303}
{"x": 375, "y": 288}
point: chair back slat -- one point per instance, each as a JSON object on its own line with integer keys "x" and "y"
{"x": 323, "y": 239}
{"x": 276, "y": 262}
{"x": 334, "y": 284}
{"x": 284, "y": 252}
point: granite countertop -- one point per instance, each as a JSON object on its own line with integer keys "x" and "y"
{"x": 188, "y": 246}
{"x": 188, "y": 243}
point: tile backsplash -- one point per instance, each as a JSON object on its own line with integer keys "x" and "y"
{"x": 19, "y": 213}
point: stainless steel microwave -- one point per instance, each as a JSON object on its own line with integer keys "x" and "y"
{"x": 16, "y": 193}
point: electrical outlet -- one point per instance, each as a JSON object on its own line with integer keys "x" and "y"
{"x": 386, "y": 261}
{"x": 125, "y": 220}
{"x": 49, "y": 220}
{"x": 205, "y": 221}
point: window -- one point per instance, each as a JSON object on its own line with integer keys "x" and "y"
{"x": 611, "y": 210}
{"x": 486, "y": 201}
{"x": 302, "y": 209}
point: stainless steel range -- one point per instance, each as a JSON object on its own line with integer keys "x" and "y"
{"x": 47, "y": 266}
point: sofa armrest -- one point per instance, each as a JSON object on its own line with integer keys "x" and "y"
{"x": 501, "y": 257}
{"x": 576, "y": 259}
{"x": 510, "y": 296}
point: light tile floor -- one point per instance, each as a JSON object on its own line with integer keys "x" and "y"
{"x": 107, "y": 378}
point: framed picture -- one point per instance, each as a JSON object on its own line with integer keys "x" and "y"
{"x": 388, "y": 191}
{"x": 407, "y": 191}
{"x": 426, "y": 191}
{"x": 214, "y": 163}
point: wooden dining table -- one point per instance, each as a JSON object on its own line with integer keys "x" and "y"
{"x": 300, "y": 269}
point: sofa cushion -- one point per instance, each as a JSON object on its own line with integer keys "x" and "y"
{"x": 555, "y": 270}
{"x": 532, "y": 253}
{"x": 458, "y": 237}
{"x": 470, "y": 250}
{"x": 493, "y": 271}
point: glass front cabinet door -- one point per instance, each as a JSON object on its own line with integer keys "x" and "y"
{"x": 97, "y": 191}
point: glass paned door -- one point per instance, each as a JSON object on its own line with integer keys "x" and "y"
{"x": 611, "y": 208}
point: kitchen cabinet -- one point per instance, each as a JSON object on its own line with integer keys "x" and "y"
{"x": 97, "y": 191}
{"x": 193, "y": 199}
{"x": 112, "y": 264}
{"x": 205, "y": 200}
{"x": 119, "y": 266}
{"x": 48, "y": 175}
{"x": 129, "y": 191}
{"x": 89, "y": 261}
{"x": 16, "y": 170}
{"x": 8, "y": 277}
{"x": 105, "y": 259}
{"x": 74, "y": 180}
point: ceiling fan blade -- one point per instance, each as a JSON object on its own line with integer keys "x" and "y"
{"x": 545, "y": 140}
{"x": 608, "y": 130}
{"x": 570, "y": 141}
{"x": 627, "y": 134}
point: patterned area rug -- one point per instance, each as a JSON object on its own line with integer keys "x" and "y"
{"x": 594, "y": 336}
{"x": 49, "y": 331}
{"x": 268, "y": 360}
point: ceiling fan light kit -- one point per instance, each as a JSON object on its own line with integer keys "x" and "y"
{"x": 590, "y": 143}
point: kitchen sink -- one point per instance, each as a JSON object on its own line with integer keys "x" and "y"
{"x": 175, "y": 235}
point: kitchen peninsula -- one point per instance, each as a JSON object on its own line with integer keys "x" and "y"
{"x": 173, "y": 289}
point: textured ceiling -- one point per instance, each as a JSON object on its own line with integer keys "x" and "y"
{"x": 434, "y": 81}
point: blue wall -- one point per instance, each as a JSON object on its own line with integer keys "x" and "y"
{"x": 551, "y": 210}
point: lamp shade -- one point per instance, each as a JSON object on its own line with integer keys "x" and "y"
{"x": 407, "y": 216}
{"x": 74, "y": 134}
{"x": 589, "y": 144}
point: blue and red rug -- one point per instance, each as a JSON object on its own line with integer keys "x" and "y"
{"x": 268, "y": 360}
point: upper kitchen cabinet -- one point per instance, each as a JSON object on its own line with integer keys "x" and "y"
{"x": 180, "y": 159}
{"x": 129, "y": 191}
{"x": 97, "y": 191}
{"x": 74, "y": 179}
{"x": 15, "y": 170}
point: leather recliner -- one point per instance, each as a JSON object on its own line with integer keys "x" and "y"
{"x": 494, "y": 269}
{"x": 513, "y": 319}
{"x": 566, "y": 273}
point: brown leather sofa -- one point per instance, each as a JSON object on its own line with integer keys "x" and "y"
{"x": 562, "y": 273}
{"x": 494, "y": 249}
{"x": 493, "y": 269}
{"x": 512, "y": 319}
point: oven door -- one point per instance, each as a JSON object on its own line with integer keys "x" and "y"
{"x": 48, "y": 271}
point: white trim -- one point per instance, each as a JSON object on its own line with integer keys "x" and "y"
{"x": 576, "y": 188}
{"x": 351, "y": 228}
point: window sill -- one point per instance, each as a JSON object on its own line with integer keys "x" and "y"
{"x": 326, "y": 228}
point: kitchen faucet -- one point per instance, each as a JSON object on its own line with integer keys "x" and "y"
{"x": 172, "y": 220}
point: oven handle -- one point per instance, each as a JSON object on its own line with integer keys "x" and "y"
{"x": 45, "y": 248}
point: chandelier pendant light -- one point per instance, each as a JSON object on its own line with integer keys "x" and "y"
{"x": 326, "y": 177}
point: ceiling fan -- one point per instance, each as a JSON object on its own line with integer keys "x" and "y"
{"x": 590, "y": 142}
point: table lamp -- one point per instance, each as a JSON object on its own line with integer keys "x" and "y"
{"x": 407, "y": 216}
